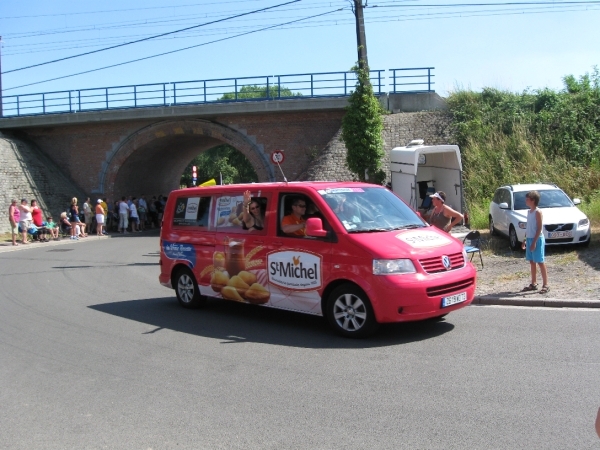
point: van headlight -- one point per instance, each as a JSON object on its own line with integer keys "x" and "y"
{"x": 583, "y": 223}
{"x": 522, "y": 225}
{"x": 391, "y": 266}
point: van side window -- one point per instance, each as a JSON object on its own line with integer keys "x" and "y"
{"x": 229, "y": 216}
{"x": 192, "y": 211}
{"x": 293, "y": 211}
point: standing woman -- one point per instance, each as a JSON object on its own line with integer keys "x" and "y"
{"x": 99, "y": 217}
{"x": 13, "y": 216}
{"x": 442, "y": 216}
{"x": 253, "y": 218}
{"x": 74, "y": 216}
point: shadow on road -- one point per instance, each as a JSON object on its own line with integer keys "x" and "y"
{"x": 237, "y": 323}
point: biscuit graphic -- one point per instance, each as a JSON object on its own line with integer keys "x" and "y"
{"x": 236, "y": 222}
{"x": 239, "y": 284}
{"x": 257, "y": 294}
{"x": 232, "y": 216}
{"x": 218, "y": 280}
{"x": 248, "y": 277}
{"x": 221, "y": 221}
{"x": 230, "y": 293}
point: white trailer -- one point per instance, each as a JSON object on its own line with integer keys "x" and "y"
{"x": 418, "y": 170}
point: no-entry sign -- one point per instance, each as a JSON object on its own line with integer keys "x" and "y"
{"x": 277, "y": 157}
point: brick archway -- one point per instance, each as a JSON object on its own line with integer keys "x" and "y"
{"x": 152, "y": 159}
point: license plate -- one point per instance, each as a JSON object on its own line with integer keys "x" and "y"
{"x": 560, "y": 234}
{"x": 454, "y": 299}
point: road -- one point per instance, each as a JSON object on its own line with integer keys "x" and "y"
{"x": 96, "y": 354}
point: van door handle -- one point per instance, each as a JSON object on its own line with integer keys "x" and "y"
{"x": 258, "y": 242}
{"x": 277, "y": 243}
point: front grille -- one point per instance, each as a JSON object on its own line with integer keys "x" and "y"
{"x": 435, "y": 264}
{"x": 459, "y": 286}
{"x": 559, "y": 227}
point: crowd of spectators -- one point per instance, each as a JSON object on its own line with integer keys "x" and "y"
{"x": 128, "y": 215}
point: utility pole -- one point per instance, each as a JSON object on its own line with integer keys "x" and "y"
{"x": 361, "y": 38}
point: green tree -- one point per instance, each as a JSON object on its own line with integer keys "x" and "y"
{"x": 361, "y": 131}
{"x": 256, "y": 91}
{"x": 222, "y": 160}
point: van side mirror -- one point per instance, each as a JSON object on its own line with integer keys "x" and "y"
{"x": 314, "y": 227}
{"x": 576, "y": 201}
{"x": 503, "y": 205}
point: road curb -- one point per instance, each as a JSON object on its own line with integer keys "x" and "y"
{"x": 536, "y": 302}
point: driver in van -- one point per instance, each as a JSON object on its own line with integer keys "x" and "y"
{"x": 294, "y": 224}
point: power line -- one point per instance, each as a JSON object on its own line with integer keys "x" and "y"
{"x": 462, "y": 5}
{"x": 130, "y": 9}
{"x": 149, "y": 38}
{"x": 173, "y": 51}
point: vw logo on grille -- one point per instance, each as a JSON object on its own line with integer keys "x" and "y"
{"x": 446, "y": 262}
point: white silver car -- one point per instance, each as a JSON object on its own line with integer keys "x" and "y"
{"x": 563, "y": 222}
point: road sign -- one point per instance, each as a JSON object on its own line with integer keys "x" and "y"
{"x": 277, "y": 157}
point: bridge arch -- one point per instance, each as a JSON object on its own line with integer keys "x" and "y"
{"x": 152, "y": 159}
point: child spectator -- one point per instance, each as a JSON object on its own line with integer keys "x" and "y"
{"x": 52, "y": 228}
{"x": 534, "y": 242}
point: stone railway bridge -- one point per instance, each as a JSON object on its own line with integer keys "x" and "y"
{"x": 133, "y": 151}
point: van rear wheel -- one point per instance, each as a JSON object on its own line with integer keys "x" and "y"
{"x": 350, "y": 313}
{"x": 187, "y": 290}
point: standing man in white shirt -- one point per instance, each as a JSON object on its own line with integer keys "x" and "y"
{"x": 133, "y": 216}
{"x": 88, "y": 213}
{"x": 123, "y": 215}
{"x": 142, "y": 211}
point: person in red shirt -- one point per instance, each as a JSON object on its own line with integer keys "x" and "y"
{"x": 38, "y": 221}
{"x": 294, "y": 224}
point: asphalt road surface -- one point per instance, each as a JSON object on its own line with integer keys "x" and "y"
{"x": 94, "y": 353}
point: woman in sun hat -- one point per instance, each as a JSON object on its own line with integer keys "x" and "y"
{"x": 442, "y": 216}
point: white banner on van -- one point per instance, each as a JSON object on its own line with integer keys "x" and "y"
{"x": 423, "y": 239}
{"x": 191, "y": 212}
{"x": 295, "y": 270}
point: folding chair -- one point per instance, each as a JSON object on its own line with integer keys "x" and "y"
{"x": 474, "y": 242}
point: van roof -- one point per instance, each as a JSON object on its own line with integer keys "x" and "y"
{"x": 280, "y": 185}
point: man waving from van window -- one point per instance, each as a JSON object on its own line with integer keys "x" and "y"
{"x": 294, "y": 224}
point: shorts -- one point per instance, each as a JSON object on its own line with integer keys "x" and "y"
{"x": 100, "y": 219}
{"x": 14, "y": 229}
{"x": 135, "y": 220}
{"x": 24, "y": 225}
{"x": 538, "y": 255}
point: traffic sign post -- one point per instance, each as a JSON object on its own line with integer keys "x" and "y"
{"x": 277, "y": 157}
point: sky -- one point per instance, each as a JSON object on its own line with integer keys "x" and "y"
{"x": 514, "y": 46}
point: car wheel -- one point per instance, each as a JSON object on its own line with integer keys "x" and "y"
{"x": 513, "y": 240}
{"x": 349, "y": 312}
{"x": 492, "y": 229}
{"x": 187, "y": 290}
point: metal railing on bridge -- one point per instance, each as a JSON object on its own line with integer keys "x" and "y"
{"x": 259, "y": 88}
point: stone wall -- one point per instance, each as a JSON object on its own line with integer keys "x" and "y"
{"x": 25, "y": 172}
{"x": 398, "y": 130}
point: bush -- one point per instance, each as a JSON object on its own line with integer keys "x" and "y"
{"x": 532, "y": 137}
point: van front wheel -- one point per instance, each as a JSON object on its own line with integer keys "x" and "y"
{"x": 349, "y": 312}
{"x": 187, "y": 290}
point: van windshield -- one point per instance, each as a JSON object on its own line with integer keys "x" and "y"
{"x": 554, "y": 198}
{"x": 363, "y": 210}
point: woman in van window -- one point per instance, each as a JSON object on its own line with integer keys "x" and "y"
{"x": 253, "y": 217}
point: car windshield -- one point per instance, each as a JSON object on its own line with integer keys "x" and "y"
{"x": 364, "y": 209}
{"x": 548, "y": 199}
